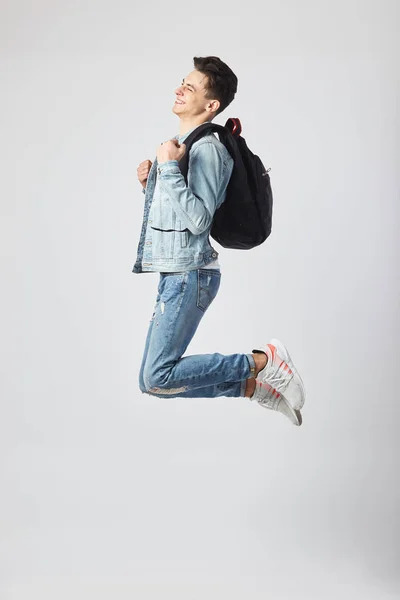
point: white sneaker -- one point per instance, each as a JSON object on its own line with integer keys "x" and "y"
{"x": 268, "y": 397}
{"x": 280, "y": 375}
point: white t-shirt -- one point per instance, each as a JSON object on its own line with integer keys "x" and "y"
{"x": 213, "y": 265}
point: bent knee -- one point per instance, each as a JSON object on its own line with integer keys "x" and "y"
{"x": 142, "y": 385}
{"x": 157, "y": 384}
{"x": 154, "y": 379}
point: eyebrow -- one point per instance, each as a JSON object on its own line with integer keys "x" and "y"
{"x": 188, "y": 84}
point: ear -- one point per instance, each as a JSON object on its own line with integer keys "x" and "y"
{"x": 213, "y": 106}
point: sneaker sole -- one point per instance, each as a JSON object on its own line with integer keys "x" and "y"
{"x": 297, "y": 419}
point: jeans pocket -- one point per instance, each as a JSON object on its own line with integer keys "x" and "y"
{"x": 208, "y": 282}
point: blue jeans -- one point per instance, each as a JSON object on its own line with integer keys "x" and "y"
{"x": 182, "y": 300}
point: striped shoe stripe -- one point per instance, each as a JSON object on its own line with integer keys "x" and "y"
{"x": 270, "y": 389}
{"x": 278, "y": 361}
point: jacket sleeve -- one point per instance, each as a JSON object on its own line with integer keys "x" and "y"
{"x": 196, "y": 203}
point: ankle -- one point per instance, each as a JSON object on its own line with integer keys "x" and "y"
{"x": 250, "y": 387}
{"x": 260, "y": 360}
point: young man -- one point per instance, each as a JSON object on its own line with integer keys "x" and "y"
{"x": 175, "y": 242}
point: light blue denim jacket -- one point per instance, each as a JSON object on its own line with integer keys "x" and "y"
{"x": 177, "y": 217}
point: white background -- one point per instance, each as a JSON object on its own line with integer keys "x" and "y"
{"x": 110, "y": 494}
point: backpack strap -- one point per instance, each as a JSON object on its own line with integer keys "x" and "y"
{"x": 226, "y": 137}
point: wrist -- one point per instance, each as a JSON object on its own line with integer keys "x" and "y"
{"x": 168, "y": 166}
{"x": 167, "y": 161}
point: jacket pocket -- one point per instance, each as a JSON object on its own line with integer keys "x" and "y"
{"x": 184, "y": 238}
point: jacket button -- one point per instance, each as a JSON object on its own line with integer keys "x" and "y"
{"x": 214, "y": 255}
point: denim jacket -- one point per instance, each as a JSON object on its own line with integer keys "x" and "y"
{"x": 177, "y": 217}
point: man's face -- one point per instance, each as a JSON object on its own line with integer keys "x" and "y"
{"x": 190, "y": 97}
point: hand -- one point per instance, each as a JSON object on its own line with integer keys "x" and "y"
{"x": 143, "y": 171}
{"x": 170, "y": 150}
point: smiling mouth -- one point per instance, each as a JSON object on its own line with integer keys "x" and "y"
{"x": 179, "y": 102}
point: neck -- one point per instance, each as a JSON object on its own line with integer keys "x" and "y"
{"x": 186, "y": 125}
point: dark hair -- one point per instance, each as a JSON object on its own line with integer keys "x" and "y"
{"x": 222, "y": 82}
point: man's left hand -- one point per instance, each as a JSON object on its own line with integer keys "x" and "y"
{"x": 170, "y": 150}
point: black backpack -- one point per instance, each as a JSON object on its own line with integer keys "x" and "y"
{"x": 244, "y": 219}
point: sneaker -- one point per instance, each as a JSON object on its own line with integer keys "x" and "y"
{"x": 268, "y": 397}
{"x": 281, "y": 375}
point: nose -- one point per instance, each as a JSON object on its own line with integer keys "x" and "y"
{"x": 179, "y": 91}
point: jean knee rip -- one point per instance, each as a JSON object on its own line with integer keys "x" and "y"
{"x": 167, "y": 392}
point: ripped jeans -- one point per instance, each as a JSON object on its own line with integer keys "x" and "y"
{"x": 182, "y": 300}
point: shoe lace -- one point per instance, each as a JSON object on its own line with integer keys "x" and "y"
{"x": 275, "y": 378}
